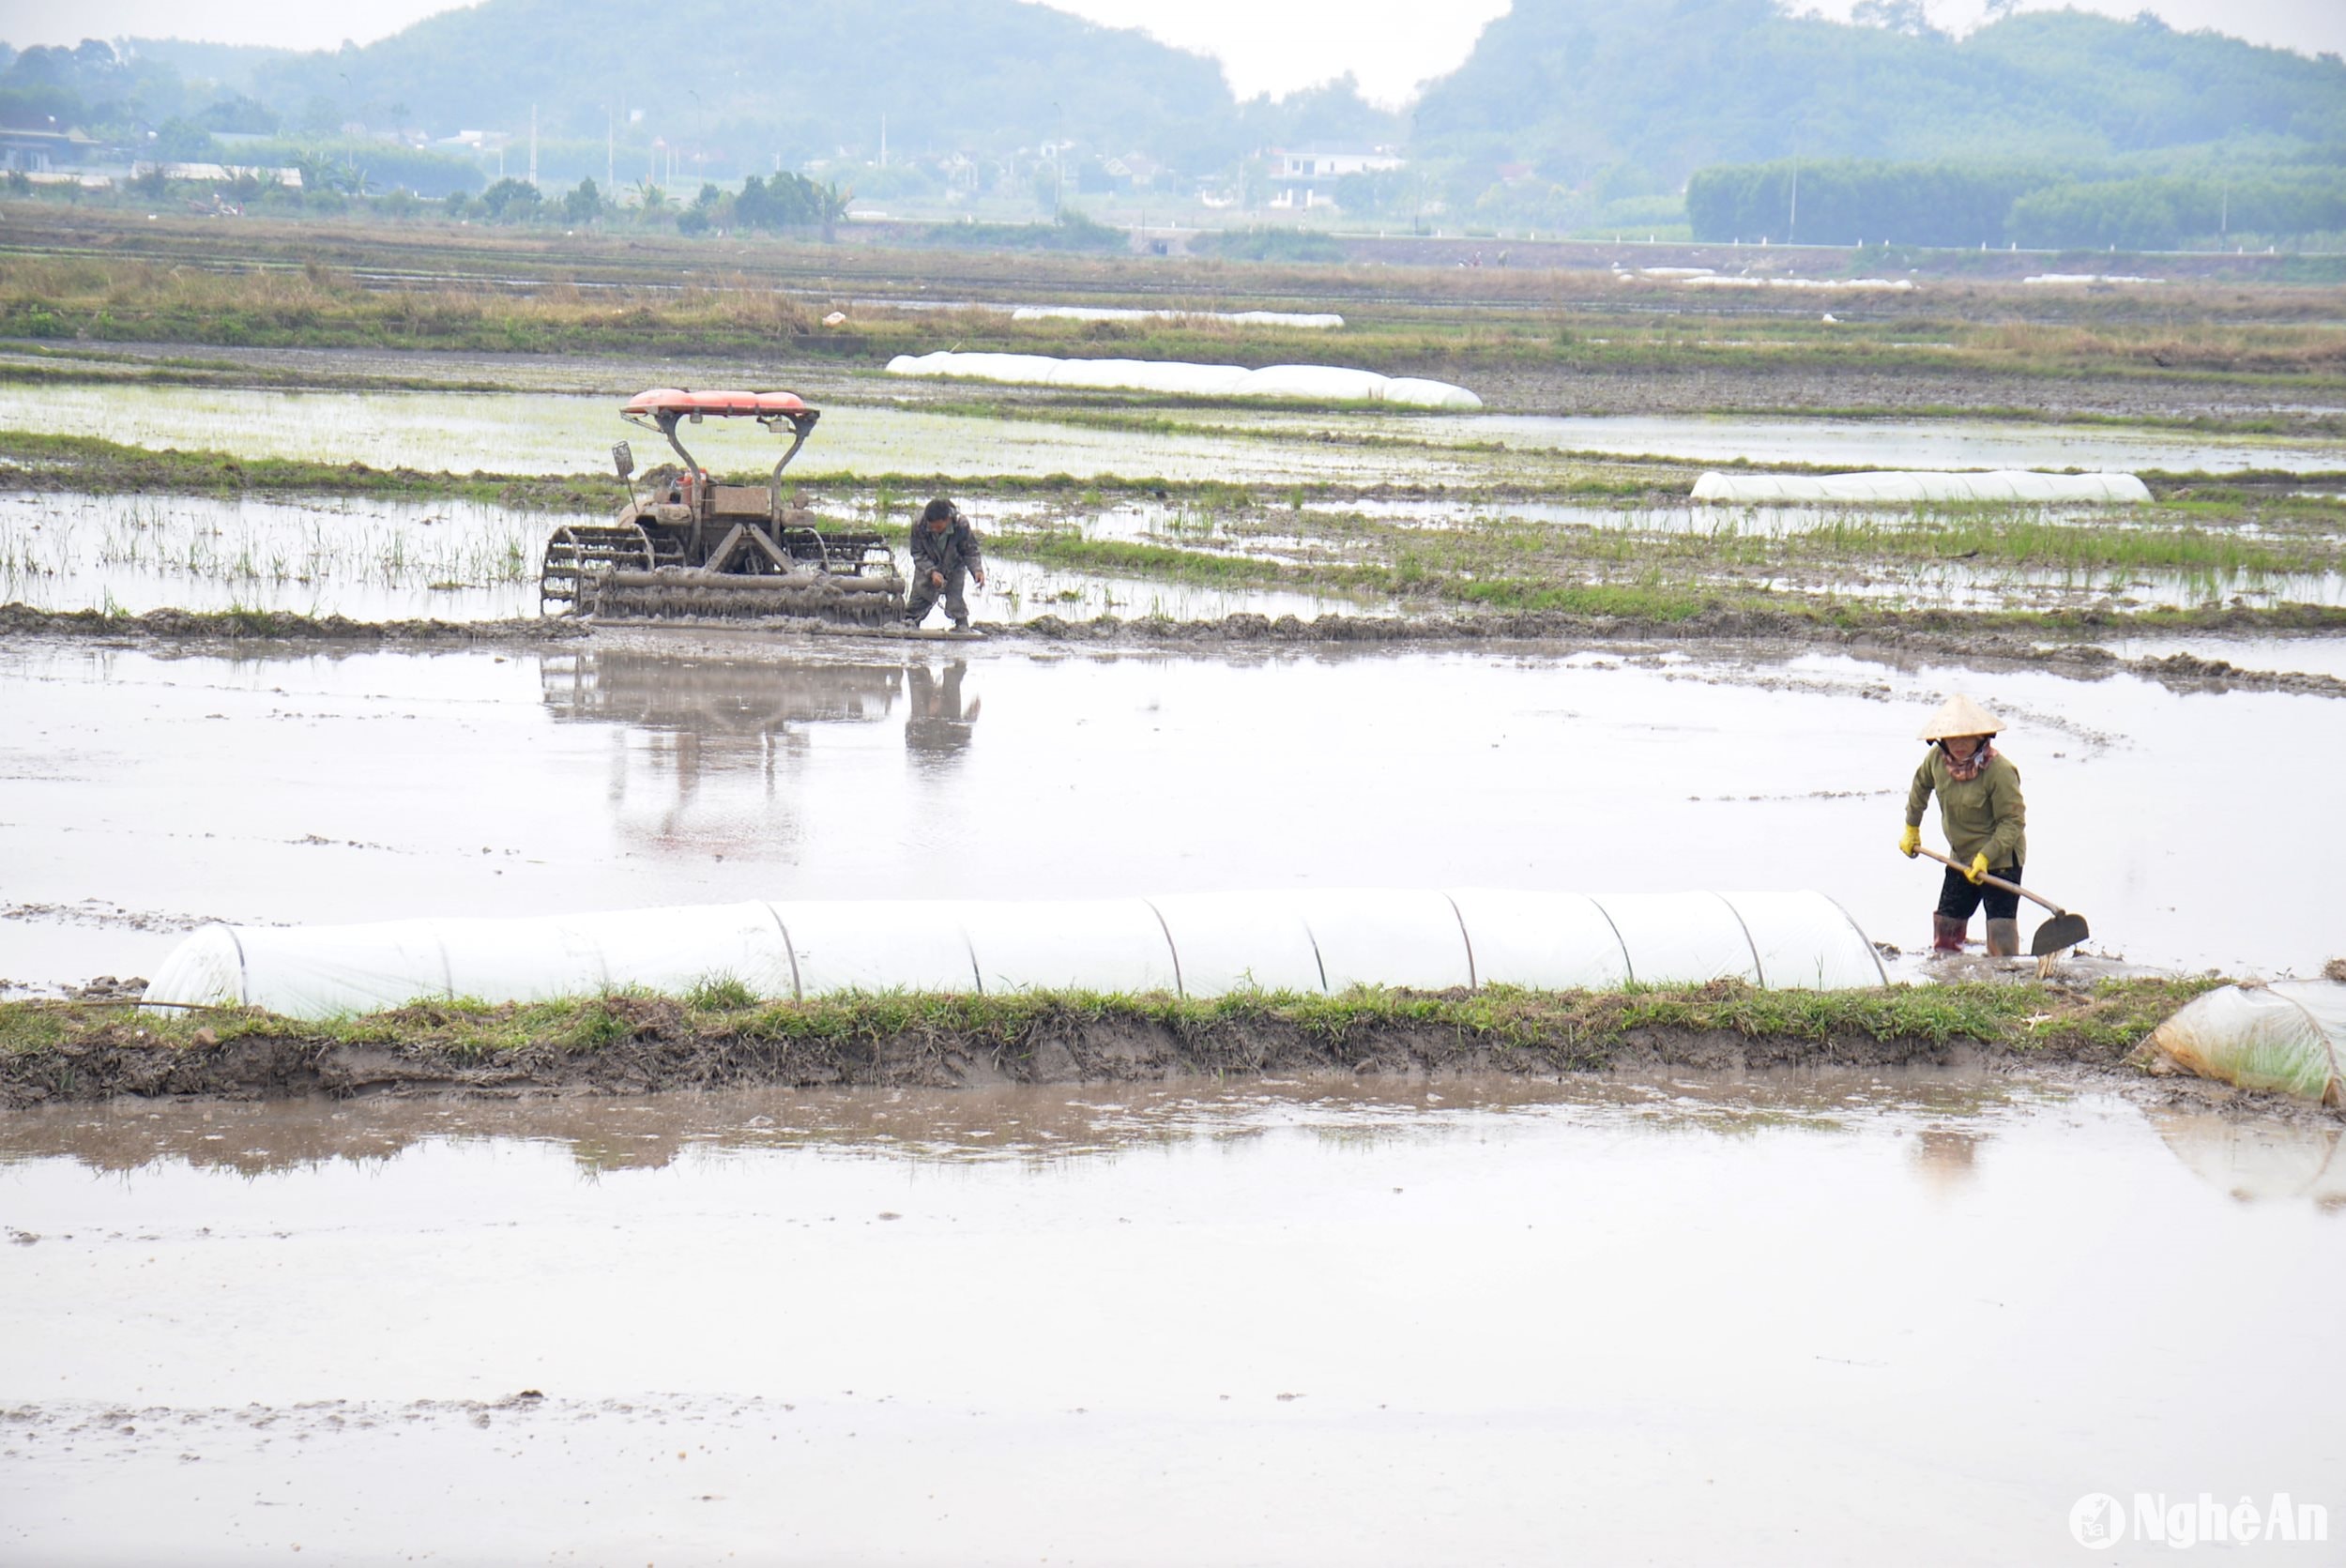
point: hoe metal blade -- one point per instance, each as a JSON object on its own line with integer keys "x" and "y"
{"x": 2061, "y": 931}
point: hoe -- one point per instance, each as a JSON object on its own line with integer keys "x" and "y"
{"x": 2066, "y": 929}
{"x": 693, "y": 548}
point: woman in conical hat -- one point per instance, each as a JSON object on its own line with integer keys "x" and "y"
{"x": 1982, "y": 815}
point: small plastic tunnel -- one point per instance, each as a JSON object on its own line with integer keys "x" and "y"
{"x": 2289, "y": 1035}
{"x": 1190, "y": 944}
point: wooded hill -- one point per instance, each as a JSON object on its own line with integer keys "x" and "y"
{"x": 1622, "y": 100}
{"x": 1568, "y": 113}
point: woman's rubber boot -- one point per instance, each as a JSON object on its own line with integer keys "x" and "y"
{"x": 2004, "y": 939}
{"x": 1946, "y": 936}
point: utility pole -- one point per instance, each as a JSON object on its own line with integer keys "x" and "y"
{"x": 610, "y": 148}
{"x": 883, "y": 141}
{"x": 533, "y": 144}
{"x": 1792, "y": 225}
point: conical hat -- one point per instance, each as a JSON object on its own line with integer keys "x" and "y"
{"x": 1961, "y": 715}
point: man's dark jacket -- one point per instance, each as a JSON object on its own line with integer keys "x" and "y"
{"x": 957, "y": 546}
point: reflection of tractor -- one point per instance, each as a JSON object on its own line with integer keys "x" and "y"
{"x": 695, "y": 548}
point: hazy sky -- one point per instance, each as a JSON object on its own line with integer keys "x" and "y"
{"x": 1264, "y": 45}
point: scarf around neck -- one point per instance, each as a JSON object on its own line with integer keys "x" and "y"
{"x": 1964, "y": 773}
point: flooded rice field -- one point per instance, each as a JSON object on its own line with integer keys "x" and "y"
{"x": 365, "y": 559}
{"x": 1847, "y": 560}
{"x": 568, "y": 434}
{"x": 537, "y": 433}
{"x": 443, "y": 560}
{"x": 372, "y": 559}
{"x": 1837, "y": 1315}
{"x": 1824, "y": 1318}
{"x": 146, "y": 791}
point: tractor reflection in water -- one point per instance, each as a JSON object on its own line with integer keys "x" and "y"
{"x": 712, "y": 752}
{"x": 692, "y": 549}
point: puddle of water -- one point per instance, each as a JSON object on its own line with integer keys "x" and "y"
{"x": 1777, "y": 1321}
{"x": 2312, "y": 655}
{"x": 647, "y": 770}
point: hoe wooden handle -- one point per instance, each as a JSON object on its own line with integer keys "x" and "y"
{"x": 1994, "y": 881}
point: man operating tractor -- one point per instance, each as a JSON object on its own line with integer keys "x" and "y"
{"x": 944, "y": 550}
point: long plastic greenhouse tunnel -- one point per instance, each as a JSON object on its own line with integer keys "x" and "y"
{"x": 1187, "y": 944}
{"x": 2010, "y": 484}
{"x": 1323, "y": 382}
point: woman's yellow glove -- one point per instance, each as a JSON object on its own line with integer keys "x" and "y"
{"x": 1979, "y": 868}
{"x": 1909, "y": 840}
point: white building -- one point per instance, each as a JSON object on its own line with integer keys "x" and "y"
{"x": 1306, "y": 177}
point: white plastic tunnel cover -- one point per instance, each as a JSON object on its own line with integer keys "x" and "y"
{"x": 1187, "y": 378}
{"x": 1191, "y": 944}
{"x": 2007, "y": 484}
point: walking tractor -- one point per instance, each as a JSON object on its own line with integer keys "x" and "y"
{"x": 692, "y": 549}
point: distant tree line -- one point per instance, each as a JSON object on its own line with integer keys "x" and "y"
{"x": 2039, "y": 206}
{"x": 2161, "y": 212}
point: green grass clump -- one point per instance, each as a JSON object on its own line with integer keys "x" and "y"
{"x": 719, "y": 994}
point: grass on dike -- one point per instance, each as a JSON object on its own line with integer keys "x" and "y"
{"x": 1586, "y": 1025}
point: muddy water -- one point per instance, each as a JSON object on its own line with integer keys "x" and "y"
{"x": 142, "y": 792}
{"x": 1825, "y": 1319}
{"x": 554, "y": 433}
{"x": 2315, "y": 655}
